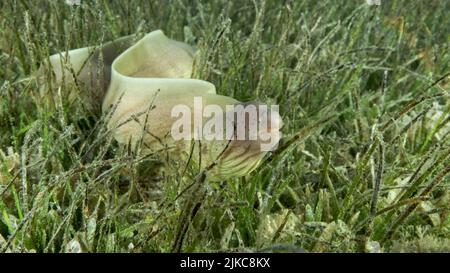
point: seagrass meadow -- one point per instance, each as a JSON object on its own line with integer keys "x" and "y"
{"x": 363, "y": 165}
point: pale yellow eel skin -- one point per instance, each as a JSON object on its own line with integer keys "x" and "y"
{"x": 141, "y": 83}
